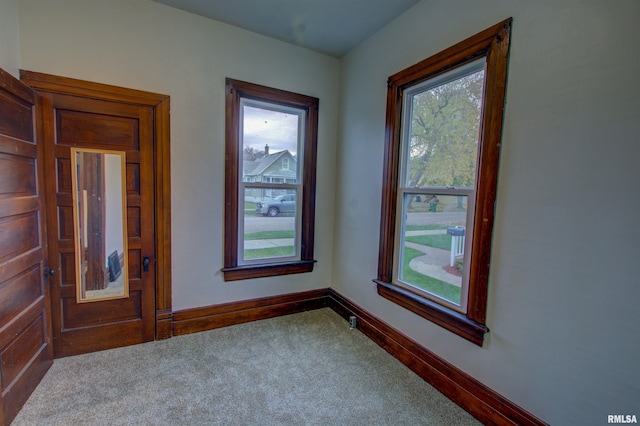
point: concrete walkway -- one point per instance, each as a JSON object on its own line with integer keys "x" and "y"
{"x": 433, "y": 260}
{"x": 431, "y": 263}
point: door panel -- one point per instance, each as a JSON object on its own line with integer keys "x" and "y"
{"x": 25, "y": 331}
{"x": 75, "y": 121}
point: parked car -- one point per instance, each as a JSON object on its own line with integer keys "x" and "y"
{"x": 280, "y": 204}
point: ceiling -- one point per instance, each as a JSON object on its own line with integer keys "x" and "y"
{"x": 332, "y": 27}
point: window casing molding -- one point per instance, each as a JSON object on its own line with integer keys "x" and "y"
{"x": 236, "y": 92}
{"x": 492, "y": 44}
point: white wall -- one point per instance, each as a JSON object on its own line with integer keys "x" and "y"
{"x": 563, "y": 299}
{"x": 563, "y": 296}
{"x": 9, "y": 41}
{"x": 149, "y": 46}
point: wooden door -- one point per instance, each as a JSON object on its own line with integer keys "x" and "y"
{"x": 25, "y": 330}
{"x": 77, "y": 121}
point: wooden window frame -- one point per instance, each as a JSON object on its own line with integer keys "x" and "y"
{"x": 493, "y": 44}
{"x": 236, "y": 91}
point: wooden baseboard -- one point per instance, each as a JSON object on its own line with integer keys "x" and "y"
{"x": 210, "y": 317}
{"x": 480, "y": 401}
{"x": 164, "y": 324}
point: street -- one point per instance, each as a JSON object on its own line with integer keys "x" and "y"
{"x": 440, "y": 218}
{"x": 257, "y": 223}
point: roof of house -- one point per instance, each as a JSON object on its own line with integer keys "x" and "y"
{"x": 258, "y": 167}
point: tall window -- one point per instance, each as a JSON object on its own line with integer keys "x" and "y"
{"x": 444, "y": 123}
{"x": 269, "y": 208}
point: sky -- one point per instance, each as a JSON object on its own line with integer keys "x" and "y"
{"x": 278, "y": 129}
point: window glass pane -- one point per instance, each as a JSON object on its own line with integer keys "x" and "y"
{"x": 433, "y": 244}
{"x": 270, "y": 144}
{"x": 270, "y": 223}
{"x": 443, "y": 133}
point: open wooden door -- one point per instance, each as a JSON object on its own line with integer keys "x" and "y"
{"x": 25, "y": 329}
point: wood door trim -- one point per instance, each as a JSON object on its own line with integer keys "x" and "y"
{"x": 88, "y": 89}
{"x": 162, "y": 171}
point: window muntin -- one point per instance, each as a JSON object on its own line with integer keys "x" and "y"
{"x": 251, "y": 135}
{"x": 436, "y": 194}
{"x": 468, "y": 317}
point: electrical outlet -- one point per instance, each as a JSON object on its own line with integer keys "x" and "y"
{"x": 352, "y": 322}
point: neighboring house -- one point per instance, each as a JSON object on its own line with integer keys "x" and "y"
{"x": 279, "y": 167}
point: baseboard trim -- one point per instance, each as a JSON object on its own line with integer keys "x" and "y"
{"x": 164, "y": 324}
{"x": 480, "y": 401}
{"x": 216, "y": 316}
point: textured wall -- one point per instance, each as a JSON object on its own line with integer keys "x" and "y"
{"x": 9, "y": 37}
{"x": 563, "y": 296}
{"x": 149, "y": 46}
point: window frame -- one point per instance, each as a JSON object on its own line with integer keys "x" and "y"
{"x": 493, "y": 44}
{"x": 237, "y": 90}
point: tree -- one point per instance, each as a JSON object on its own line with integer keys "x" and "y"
{"x": 443, "y": 141}
{"x": 252, "y": 154}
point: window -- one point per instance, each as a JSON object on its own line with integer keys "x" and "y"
{"x": 444, "y": 124}
{"x": 269, "y": 208}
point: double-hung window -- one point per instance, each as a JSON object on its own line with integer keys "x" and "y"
{"x": 271, "y": 139}
{"x": 444, "y": 124}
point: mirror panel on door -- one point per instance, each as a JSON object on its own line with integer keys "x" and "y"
{"x": 100, "y": 224}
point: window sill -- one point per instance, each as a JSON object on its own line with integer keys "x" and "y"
{"x": 267, "y": 270}
{"x": 451, "y": 320}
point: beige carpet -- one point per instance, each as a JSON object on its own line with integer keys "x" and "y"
{"x": 302, "y": 369}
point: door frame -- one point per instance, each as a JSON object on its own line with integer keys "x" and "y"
{"x": 41, "y": 82}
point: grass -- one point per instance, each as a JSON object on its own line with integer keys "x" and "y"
{"x": 424, "y": 227}
{"x": 269, "y": 235}
{"x": 441, "y": 241}
{"x": 249, "y": 207}
{"x": 269, "y": 252}
{"x": 439, "y": 288}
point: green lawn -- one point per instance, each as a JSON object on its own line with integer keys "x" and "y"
{"x": 440, "y": 288}
{"x": 269, "y": 252}
{"x": 249, "y": 207}
{"x": 424, "y": 227}
{"x": 268, "y": 235}
{"x": 441, "y": 241}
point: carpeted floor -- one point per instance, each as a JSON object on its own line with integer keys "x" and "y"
{"x": 302, "y": 369}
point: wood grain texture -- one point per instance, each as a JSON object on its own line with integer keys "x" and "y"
{"x": 155, "y": 122}
{"x": 235, "y": 91}
{"x": 161, "y": 156}
{"x": 492, "y": 43}
{"x": 25, "y": 330}
{"x": 21, "y": 173}
{"x": 480, "y": 401}
{"x": 217, "y": 316}
{"x": 270, "y": 270}
{"x": 451, "y": 320}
